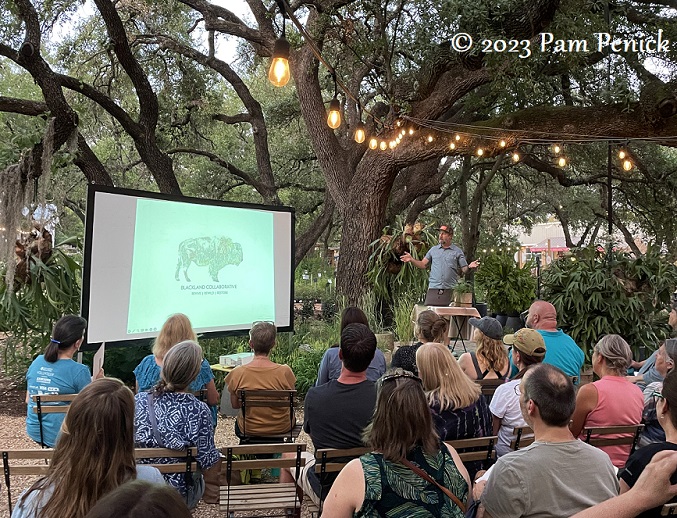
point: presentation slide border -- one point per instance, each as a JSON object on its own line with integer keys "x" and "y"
{"x": 86, "y": 268}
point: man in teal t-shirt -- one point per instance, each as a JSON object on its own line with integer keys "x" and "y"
{"x": 561, "y": 350}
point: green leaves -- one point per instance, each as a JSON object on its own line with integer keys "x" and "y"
{"x": 596, "y": 295}
{"x": 509, "y": 288}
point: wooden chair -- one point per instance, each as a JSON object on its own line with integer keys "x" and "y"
{"x": 629, "y": 434}
{"x": 519, "y": 440}
{"x": 489, "y": 387}
{"x": 269, "y": 399}
{"x": 50, "y": 404}
{"x": 480, "y": 448}
{"x": 256, "y": 497}
{"x": 669, "y": 510}
{"x": 328, "y": 462}
{"x": 35, "y": 462}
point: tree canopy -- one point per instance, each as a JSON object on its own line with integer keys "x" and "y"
{"x": 136, "y": 94}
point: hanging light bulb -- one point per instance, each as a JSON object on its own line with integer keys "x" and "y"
{"x": 360, "y": 134}
{"x": 411, "y": 131}
{"x": 279, "y": 74}
{"x": 556, "y": 148}
{"x": 515, "y": 157}
{"x": 383, "y": 146}
{"x": 627, "y": 165}
{"x": 452, "y": 146}
{"x": 479, "y": 151}
{"x": 622, "y": 154}
{"x": 430, "y": 138}
{"x": 392, "y": 144}
{"x": 373, "y": 143}
{"x": 457, "y": 137}
{"x": 334, "y": 114}
{"x": 562, "y": 161}
{"x": 502, "y": 143}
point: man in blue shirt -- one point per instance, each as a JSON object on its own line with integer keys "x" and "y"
{"x": 448, "y": 261}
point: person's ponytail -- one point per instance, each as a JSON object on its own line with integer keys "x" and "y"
{"x": 52, "y": 351}
{"x": 67, "y": 330}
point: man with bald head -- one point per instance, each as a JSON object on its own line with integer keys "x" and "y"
{"x": 561, "y": 350}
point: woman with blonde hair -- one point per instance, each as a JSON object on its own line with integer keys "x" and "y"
{"x": 409, "y": 471}
{"x": 430, "y": 327}
{"x": 93, "y": 456}
{"x": 177, "y": 328}
{"x": 170, "y": 416}
{"x": 612, "y": 400}
{"x": 490, "y": 359}
{"x": 458, "y": 407}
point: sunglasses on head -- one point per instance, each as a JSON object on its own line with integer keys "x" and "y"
{"x": 390, "y": 377}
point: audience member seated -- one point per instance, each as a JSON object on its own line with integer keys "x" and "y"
{"x": 458, "y": 407}
{"x": 177, "y": 328}
{"x": 408, "y": 463}
{"x": 331, "y": 365}
{"x": 93, "y": 456}
{"x": 665, "y": 363}
{"x": 647, "y": 369}
{"x": 612, "y": 400}
{"x": 563, "y": 352}
{"x": 653, "y": 488}
{"x": 557, "y": 475}
{"x": 140, "y": 499}
{"x": 666, "y": 408}
{"x": 261, "y": 374}
{"x": 170, "y": 416}
{"x": 528, "y": 348}
{"x": 336, "y": 413}
{"x": 430, "y": 327}
{"x": 490, "y": 359}
{"x": 55, "y": 372}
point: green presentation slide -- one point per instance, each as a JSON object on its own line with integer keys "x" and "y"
{"x": 213, "y": 263}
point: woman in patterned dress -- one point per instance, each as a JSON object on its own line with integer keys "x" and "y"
{"x": 386, "y": 482}
{"x": 170, "y": 416}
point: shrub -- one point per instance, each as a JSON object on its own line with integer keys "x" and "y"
{"x": 597, "y": 295}
{"x": 509, "y": 288}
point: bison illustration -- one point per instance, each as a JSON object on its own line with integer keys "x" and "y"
{"x": 213, "y": 252}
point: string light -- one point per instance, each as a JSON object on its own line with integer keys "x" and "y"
{"x": 373, "y": 143}
{"x": 556, "y": 148}
{"x": 622, "y": 154}
{"x": 279, "y": 74}
{"x": 411, "y": 131}
{"x": 479, "y": 151}
{"x": 452, "y": 146}
{"x": 383, "y": 146}
{"x": 334, "y": 113}
{"x": 457, "y": 137}
{"x": 360, "y": 134}
{"x": 392, "y": 144}
{"x": 627, "y": 165}
{"x": 562, "y": 162}
{"x": 430, "y": 138}
{"x": 515, "y": 157}
{"x": 502, "y": 143}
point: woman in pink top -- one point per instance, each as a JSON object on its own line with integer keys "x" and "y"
{"x": 611, "y": 401}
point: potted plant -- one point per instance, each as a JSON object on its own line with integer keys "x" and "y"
{"x": 509, "y": 288}
{"x": 463, "y": 293}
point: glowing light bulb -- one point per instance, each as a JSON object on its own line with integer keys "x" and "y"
{"x": 622, "y": 154}
{"x": 502, "y": 143}
{"x": 383, "y": 146}
{"x": 457, "y": 137}
{"x": 452, "y": 146}
{"x": 360, "y": 134}
{"x": 392, "y": 144}
{"x": 373, "y": 143}
{"x": 430, "y": 138}
{"x": 480, "y": 151}
{"x": 515, "y": 157}
{"x": 334, "y": 114}
{"x": 562, "y": 161}
{"x": 279, "y": 74}
{"x": 627, "y": 165}
{"x": 411, "y": 131}
{"x": 556, "y": 148}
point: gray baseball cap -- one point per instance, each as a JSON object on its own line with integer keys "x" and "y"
{"x": 489, "y": 326}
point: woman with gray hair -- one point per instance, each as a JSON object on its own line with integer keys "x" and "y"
{"x": 170, "y": 416}
{"x": 612, "y": 400}
{"x": 666, "y": 356}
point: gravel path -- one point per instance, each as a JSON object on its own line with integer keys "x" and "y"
{"x": 13, "y": 436}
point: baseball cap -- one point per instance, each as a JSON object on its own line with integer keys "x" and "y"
{"x": 527, "y": 341}
{"x": 446, "y": 228}
{"x": 489, "y": 326}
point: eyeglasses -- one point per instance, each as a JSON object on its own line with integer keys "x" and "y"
{"x": 389, "y": 377}
{"x": 263, "y": 322}
{"x": 656, "y": 396}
